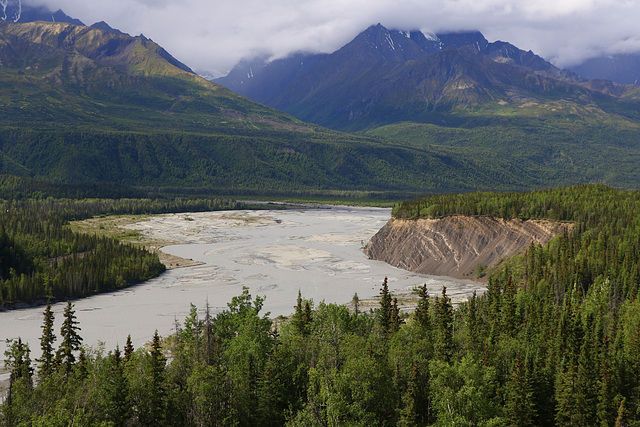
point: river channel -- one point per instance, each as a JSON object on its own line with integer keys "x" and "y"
{"x": 274, "y": 253}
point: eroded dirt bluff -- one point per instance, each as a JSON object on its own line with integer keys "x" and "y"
{"x": 455, "y": 246}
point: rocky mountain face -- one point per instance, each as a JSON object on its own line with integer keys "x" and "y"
{"x": 66, "y": 51}
{"x": 456, "y": 246}
{"x": 385, "y": 76}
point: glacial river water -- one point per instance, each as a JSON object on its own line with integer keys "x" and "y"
{"x": 274, "y": 253}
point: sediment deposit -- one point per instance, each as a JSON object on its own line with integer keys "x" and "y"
{"x": 455, "y": 246}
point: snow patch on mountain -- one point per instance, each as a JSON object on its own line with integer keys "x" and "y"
{"x": 430, "y": 36}
{"x": 11, "y": 10}
{"x": 390, "y": 41}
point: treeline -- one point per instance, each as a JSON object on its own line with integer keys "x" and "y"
{"x": 13, "y": 187}
{"x": 555, "y": 340}
{"x": 42, "y": 259}
{"x": 583, "y": 203}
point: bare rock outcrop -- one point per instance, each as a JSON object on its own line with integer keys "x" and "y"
{"x": 455, "y": 246}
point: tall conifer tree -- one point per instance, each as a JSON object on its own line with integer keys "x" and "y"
{"x": 157, "y": 363}
{"x": 128, "y": 349}
{"x": 444, "y": 327}
{"x": 386, "y": 310}
{"x": 71, "y": 340}
{"x": 422, "y": 315}
{"x": 46, "y": 344}
{"x": 520, "y": 407}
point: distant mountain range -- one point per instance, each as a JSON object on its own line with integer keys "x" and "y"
{"x": 377, "y": 45}
{"x": 385, "y": 76}
{"x": 81, "y": 105}
{"x": 619, "y": 68}
{"x": 442, "y": 113}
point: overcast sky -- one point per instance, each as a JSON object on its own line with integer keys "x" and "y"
{"x": 212, "y": 35}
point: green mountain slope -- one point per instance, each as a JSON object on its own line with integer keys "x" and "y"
{"x": 558, "y": 151}
{"x": 80, "y": 104}
{"x": 86, "y": 105}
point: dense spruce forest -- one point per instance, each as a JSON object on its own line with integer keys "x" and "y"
{"x": 42, "y": 259}
{"x": 555, "y": 340}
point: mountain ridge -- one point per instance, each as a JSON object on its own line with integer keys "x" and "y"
{"x": 430, "y": 72}
{"x": 120, "y": 49}
{"x": 81, "y": 104}
{"x": 84, "y": 105}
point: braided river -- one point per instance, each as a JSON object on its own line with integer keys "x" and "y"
{"x": 274, "y": 253}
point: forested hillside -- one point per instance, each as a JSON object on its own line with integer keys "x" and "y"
{"x": 554, "y": 341}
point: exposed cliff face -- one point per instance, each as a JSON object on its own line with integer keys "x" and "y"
{"x": 455, "y": 246}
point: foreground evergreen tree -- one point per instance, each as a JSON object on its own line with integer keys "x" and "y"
{"x": 118, "y": 392}
{"x": 18, "y": 361}
{"x": 128, "y": 349}
{"x": 621, "y": 420}
{"x": 155, "y": 411}
{"x": 385, "y": 313}
{"x": 71, "y": 340}
{"x": 301, "y": 318}
{"x": 409, "y": 406}
{"x": 46, "y": 344}
{"x": 443, "y": 327}
{"x": 356, "y": 303}
{"x": 422, "y": 313}
{"x": 520, "y": 406}
{"x": 396, "y": 320}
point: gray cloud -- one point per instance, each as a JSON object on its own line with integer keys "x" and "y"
{"x": 213, "y": 36}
